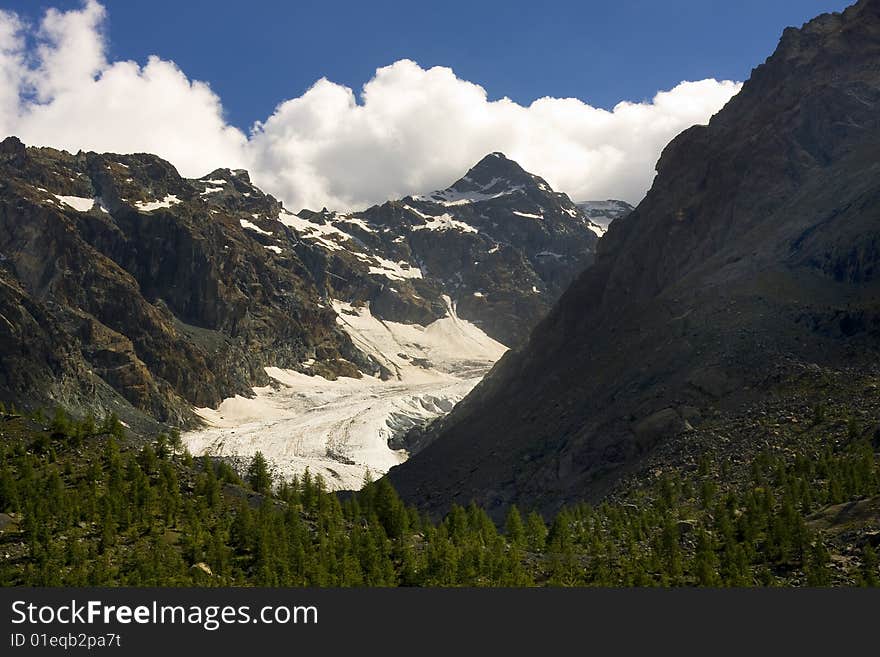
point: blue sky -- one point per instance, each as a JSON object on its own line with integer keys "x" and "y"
{"x": 258, "y": 53}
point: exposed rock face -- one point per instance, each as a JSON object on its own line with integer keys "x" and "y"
{"x": 126, "y": 287}
{"x": 755, "y": 251}
{"x": 140, "y": 282}
{"x": 499, "y": 241}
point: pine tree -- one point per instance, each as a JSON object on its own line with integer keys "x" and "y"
{"x": 563, "y": 560}
{"x": 258, "y": 474}
{"x": 705, "y": 561}
{"x": 816, "y": 566}
{"x": 208, "y": 486}
{"x": 536, "y": 532}
{"x": 175, "y": 440}
{"x": 389, "y": 509}
{"x": 869, "y": 567}
{"x": 514, "y": 528}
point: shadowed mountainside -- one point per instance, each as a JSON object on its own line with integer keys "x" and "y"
{"x": 756, "y": 253}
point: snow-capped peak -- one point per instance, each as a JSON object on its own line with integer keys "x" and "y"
{"x": 492, "y": 177}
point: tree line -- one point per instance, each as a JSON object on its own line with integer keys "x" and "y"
{"x": 88, "y": 506}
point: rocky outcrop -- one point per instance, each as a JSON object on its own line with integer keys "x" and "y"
{"x": 146, "y": 286}
{"x": 753, "y": 253}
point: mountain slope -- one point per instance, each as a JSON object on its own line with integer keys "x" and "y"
{"x": 755, "y": 254}
{"x": 158, "y": 296}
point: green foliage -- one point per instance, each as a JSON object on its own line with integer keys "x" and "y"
{"x": 514, "y": 528}
{"x": 869, "y": 576}
{"x": 536, "y": 532}
{"x": 258, "y": 474}
{"x": 150, "y": 515}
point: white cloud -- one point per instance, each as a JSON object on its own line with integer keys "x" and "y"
{"x": 70, "y": 97}
{"x": 70, "y": 50}
{"x": 411, "y": 130}
{"x": 12, "y": 68}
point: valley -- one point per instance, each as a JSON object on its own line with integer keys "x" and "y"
{"x": 486, "y": 384}
{"x": 341, "y": 429}
{"x": 320, "y": 338}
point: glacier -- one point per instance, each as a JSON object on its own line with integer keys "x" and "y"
{"x": 341, "y": 429}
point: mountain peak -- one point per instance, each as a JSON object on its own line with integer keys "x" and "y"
{"x": 494, "y": 158}
{"x": 229, "y": 175}
{"x": 493, "y": 176}
{"x": 495, "y": 166}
